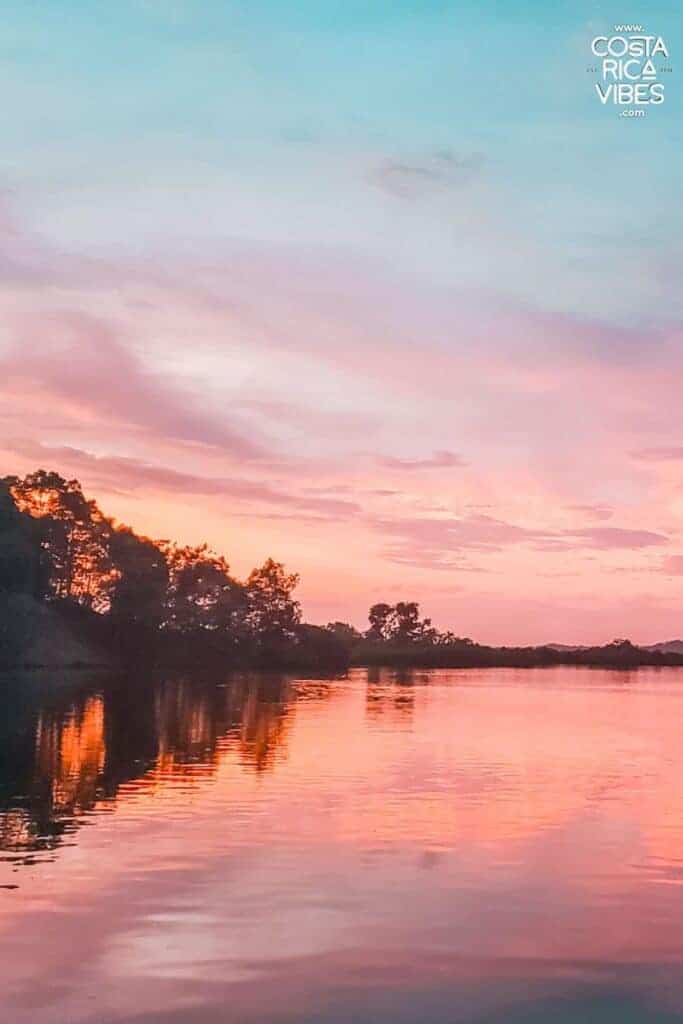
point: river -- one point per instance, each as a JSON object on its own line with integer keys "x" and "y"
{"x": 420, "y": 847}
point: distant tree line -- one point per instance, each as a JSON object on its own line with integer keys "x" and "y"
{"x": 394, "y": 628}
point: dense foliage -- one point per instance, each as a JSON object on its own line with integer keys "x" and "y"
{"x": 59, "y": 547}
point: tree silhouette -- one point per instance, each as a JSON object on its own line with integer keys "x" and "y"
{"x": 272, "y": 613}
{"x": 201, "y": 594}
{"x": 400, "y": 623}
{"x": 21, "y": 556}
{"x": 345, "y": 634}
{"x": 138, "y": 593}
{"x": 380, "y": 616}
{"x": 74, "y": 537}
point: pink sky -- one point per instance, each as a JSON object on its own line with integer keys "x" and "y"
{"x": 515, "y": 470}
{"x": 346, "y": 305}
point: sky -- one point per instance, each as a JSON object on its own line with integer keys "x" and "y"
{"x": 378, "y": 289}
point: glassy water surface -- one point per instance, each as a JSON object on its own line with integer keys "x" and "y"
{"x": 428, "y": 847}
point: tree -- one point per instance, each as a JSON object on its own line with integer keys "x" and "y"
{"x": 380, "y": 616}
{"x": 21, "y": 562}
{"x": 201, "y": 592}
{"x": 323, "y": 647}
{"x": 406, "y": 621}
{"x": 448, "y": 638}
{"x": 348, "y": 636}
{"x": 139, "y": 591}
{"x": 272, "y": 613}
{"x": 400, "y": 623}
{"x": 74, "y": 538}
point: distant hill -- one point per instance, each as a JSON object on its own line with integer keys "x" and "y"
{"x": 667, "y": 647}
{"x": 565, "y": 647}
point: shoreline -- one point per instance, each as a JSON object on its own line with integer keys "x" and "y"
{"x": 478, "y": 658}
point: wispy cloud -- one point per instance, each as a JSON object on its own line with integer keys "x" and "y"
{"x": 414, "y": 179}
{"x": 434, "y": 542}
{"x": 81, "y": 361}
{"x": 123, "y": 474}
{"x": 598, "y": 512}
{"x": 439, "y": 460}
{"x": 672, "y": 453}
{"x": 610, "y": 537}
{"x": 447, "y": 535}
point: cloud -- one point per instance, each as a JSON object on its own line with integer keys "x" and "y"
{"x": 608, "y": 537}
{"x": 80, "y": 361}
{"x": 664, "y": 454}
{"x": 306, "y": 420}
{"x": 129, "y": 475}
{"x": 599, "y": 512}
{"x": 435, "y": 537}
{"x": 428, "y": 559}
{"x": 602, "y": 538}
{"x": 440, "y": 460}
{"x": 242, "y": 375}
{"x": 437, "y": 543}
{"x": 416, "y": 179}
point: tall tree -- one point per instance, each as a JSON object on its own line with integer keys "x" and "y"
{"x": 139, "y": 590}
{"x": 75, "y": 537}
{"x": 201, "y": 592}
{"x": 400, "y": 622}
{"x": 409, "y": 627}
{"x": 21, "y": 561}
{"x": 381, "y": 621}
{"x": 406, "y": 625}
{"x": 272, "y": 613}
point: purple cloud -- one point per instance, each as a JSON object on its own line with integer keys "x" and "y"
{"x": 436, "y": 542}
{"x": 607, "y": 537}
{"x": 478, "y": 532}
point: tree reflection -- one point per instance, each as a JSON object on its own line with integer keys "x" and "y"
{"x": 390, "y": 696}
{"x": 60, "y": 780}
{"x": 264, "y": 722}
{"x": 68, "y": 756}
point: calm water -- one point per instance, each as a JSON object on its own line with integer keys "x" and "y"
{"x": 430, "y": 847}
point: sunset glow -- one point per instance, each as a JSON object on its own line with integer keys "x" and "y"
{"x": 412, "y": 339}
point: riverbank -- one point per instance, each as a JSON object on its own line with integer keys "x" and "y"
{"x": 57, "y": 635}
{"x": 620, "y": 654}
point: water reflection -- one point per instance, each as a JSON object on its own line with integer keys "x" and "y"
{"x": 440, "y": 847}
{"x": 86, "y": 746}
{"x": 390, "y": 696}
